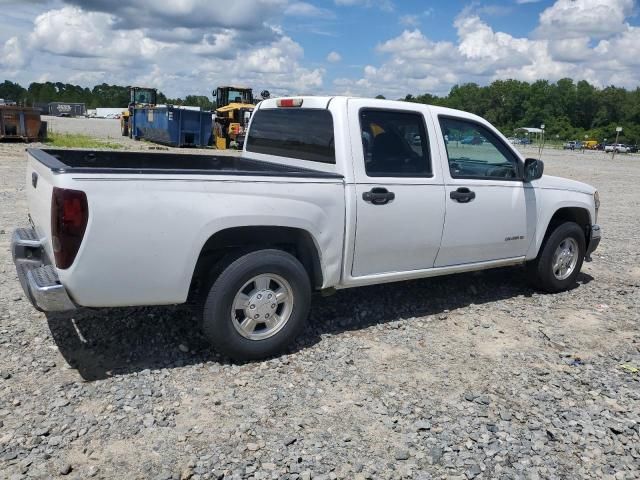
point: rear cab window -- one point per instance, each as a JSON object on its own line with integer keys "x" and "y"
{"x": 299, "y": 133}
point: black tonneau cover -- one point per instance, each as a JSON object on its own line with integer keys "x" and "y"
{"x": 101, "y": 161}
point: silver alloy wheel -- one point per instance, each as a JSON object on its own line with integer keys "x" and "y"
{"x": 262, "y": 307}
{"x": 565, "y": 258}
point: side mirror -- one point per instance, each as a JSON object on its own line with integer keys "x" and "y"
{"x": 533, "y": 169}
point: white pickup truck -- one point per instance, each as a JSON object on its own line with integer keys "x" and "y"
{"x": 330, "y": 193}
{"x": 617, "y": 147}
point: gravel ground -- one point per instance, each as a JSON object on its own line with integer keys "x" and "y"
{"x": 469, "y": 376}
{"x": 109, "y": 129}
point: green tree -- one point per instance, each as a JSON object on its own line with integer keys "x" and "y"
{"x": 12, "y": 91}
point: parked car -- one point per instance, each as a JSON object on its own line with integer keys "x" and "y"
{"x": 572, "y": 145}
{"x": 618, "y": 147}
{"x": 249, "y": 238}
{"x": 471, "y": 140}
{"x": 633, "y": 148}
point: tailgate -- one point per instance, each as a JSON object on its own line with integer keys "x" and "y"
{"x": 39, "y": 186}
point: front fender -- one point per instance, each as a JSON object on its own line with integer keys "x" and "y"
{"x": 551, "y": 201}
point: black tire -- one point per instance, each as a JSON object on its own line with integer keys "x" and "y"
{"x": 540, "y": 270}
{"x": 235, "y": 271}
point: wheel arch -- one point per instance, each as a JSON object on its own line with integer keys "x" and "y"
{"x": 576, "y": 214}
{"x": 296, "y": 241}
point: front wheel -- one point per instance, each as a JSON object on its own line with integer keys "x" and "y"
{"x": 560, "y": 259}
{"x": 258, "y": 304}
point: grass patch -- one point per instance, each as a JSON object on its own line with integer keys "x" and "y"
{"x": 77, "y": 140}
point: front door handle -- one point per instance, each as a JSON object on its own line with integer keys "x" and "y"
{"x": 378, "y": 196}
{"x": 462, "y": 195}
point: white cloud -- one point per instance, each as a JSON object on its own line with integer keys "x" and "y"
{"x": 190, "y": 46}
{"x": 334, "y": 57}
{"x": 623, "y": 50}
{"x": 13, "y": 55}
{"x": 580, "y": 39}
{"x": 578, "y": 18}
{"x": 241, "y": 14}
{"x": 72, "y": 32}
{"x": 409, "y": 20}
{"x": 413, "y": 20}
{"x": 570, "y": 49}
{"x": 385, "y": 5}
{"x": 93, "y": 45}
{"x": 303, "y": 9}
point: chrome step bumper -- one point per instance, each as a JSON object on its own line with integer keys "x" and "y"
{"x": 39, "y": 279}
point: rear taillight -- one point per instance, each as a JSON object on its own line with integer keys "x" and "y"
{"x": 289, "y": 102}
{"x": 69, "y": 217}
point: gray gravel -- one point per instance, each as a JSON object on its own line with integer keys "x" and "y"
{"x": 109, "y": 131}
{"x": 470, "y": 376}
{"x": 105, "y": 128}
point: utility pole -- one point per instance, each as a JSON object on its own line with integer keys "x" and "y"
{"x": 615, "y": 145}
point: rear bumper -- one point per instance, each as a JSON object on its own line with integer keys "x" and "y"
{"x": 39, "y": 279}
{"x": 594, "y": 241}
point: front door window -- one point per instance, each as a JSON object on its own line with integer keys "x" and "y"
{"x": 474, "y": 152}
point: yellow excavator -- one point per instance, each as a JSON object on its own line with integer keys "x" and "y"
{"x": 139, "y": 96}
{"x": 234, "y": 106}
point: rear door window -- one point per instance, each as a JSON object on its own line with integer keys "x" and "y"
{"x": 305, "y": 134}
{"x": 395, "y": 144}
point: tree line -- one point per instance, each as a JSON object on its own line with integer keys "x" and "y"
{"x": 569, "y": 110}
{"x": 103, "y": 95}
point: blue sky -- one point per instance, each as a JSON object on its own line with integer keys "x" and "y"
{"x": 358, "y": 47}
{"x": 356, "y": 30}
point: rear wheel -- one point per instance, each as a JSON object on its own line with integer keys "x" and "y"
{"x": 560, "y": 259}
{"x": 258, "y": 304}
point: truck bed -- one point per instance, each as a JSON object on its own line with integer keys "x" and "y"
{"x": 150, "y": 215}
{"x": 92, "y": 161}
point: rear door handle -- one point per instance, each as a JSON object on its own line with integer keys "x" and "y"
{"x": 462, "y": 195}
{"x": 378, "y": 196}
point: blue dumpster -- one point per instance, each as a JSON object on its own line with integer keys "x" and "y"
{"x": 172, "y": 125}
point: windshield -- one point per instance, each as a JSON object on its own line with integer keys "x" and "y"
{"x": 143, "y": 96}
{"x": 238, "y": 96}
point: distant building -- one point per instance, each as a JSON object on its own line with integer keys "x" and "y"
{"x": 42, "y": 106}
{"x": 66, "y": 109}
{"x": 109, "y": 112}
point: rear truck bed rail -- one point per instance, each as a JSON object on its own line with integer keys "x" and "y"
{"x": 124, "y": 162}
{"x": 39, "y": 279}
